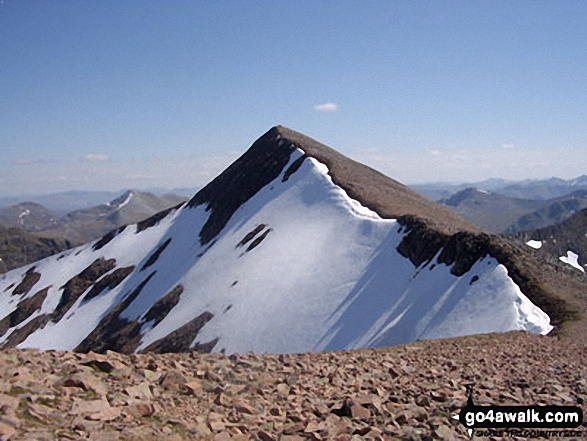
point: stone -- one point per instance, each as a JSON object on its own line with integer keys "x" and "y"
{"x": 141, "y": 391}
{"x": 139, "y": 409}
{"x": 172, "y": 379}
{"x": 266, "y": 436}
{"x": 96, "y": 410}
{"x": 8, "y": 402}
{"x": 6, "y": 431}
{"x": 244, "y": 407}
{"x": 101, "y": 363}
{"x": 359, "y": 412}
{"x": 193, "y": 387}
{"x": 87, "y": 382}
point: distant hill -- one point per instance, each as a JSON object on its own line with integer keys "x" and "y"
{"x": 544, "y": 189}
{"x": 498, "y": 213}
{"x": 30, "y": 232}
{"x": 554, "y": 211}
{"x": 65, "y": 202}
{"x": 28, "y": 216}
{"x": 132, "y": 206}
{"x": 566, "y": 240}
{"x": 18, "y": 248}
{"x": 540, "y": 189}
{"x": 491, "y": 211}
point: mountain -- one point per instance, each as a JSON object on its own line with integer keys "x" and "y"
{"x": 492, "y": 211}
{"x": 54, "y": 234}
{"x": 64, "y": 202}
{"x": 444, "y": 190}
{"x": 132, "y": 206}
{"x": 554, "y": 211}
{"x": 544, "y": 189}
{"x": 498, "y": 213}
{"x": 566, "y": 241}
{"x": 536, "y": 189}
{"x": 292, "y": 248}
{"x": 28, "y": 216}
{"x": 18, "y": 247}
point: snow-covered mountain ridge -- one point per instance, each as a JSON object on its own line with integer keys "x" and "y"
{"x": 271, "y": 256}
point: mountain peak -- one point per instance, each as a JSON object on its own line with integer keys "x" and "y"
{"x": 387, "y": 197}
{"x": 294, "y": 247}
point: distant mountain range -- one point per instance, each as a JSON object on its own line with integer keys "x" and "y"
{"x": 498, "y": 213}
{"x": 62, "y": 203}
{"x": 539, "y": 189}
{"x": 29, "y": 231}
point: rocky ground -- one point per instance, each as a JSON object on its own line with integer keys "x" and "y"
{"x": 406, "y": 392}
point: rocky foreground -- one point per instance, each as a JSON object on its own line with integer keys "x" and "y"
{"x": 406, "y": 392}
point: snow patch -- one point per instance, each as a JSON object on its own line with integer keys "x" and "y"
{"x": 21, "y": 216}
{"x": 536, "y": 244}
{"x": 573, "y": 260}
{"x": 126, "y": 201}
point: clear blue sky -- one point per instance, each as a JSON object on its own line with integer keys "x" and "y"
{"x": 116, "y": 94}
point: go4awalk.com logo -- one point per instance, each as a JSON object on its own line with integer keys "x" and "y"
{"x": 524, "y": 421}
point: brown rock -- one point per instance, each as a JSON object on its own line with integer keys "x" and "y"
{"x": 140, "y": 392}
{"x": 359, "y": 412}
{"x": 244, "y": 407}
{"x": 8, "y": 402}
{"x": 294, "y": 428}
{"x": 97, "y": 410}
{"x": 172, "y": 379}
{"x": 314, "y": 426}
{"x": 87, "y": 382}
{"x": 222, "y": 436}
{"x": 265, "y": 436}
{"x": 6, "y": 431}
{"x": 216, "y": 425}
{"x": 193, "y": 387}
{"x": 101, "y": 363}
{"x": 139, "y": 409}
{"x": 40, "y": 412}
{"x": 445, "y": 432}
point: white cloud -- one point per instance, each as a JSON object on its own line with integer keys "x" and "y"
{"x": 93, "y": 157}
{"x": 326, "y": 107}
{"x": 435, "y": 152}
{"x": 508, "y": 146}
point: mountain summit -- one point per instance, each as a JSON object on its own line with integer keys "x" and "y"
{"x": 292, "y": 248}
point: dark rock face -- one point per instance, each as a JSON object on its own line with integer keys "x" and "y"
{"x": 260, "y": 165}
{"x": 29, "y": 280}
{"x": 181, "y": 339}
{"x": 156, "y": 218}
{"x": 77, "y": 285}
{"x": 153, "y": 257}
{"x": 25, "y": 309}
{"x": 21, "y": 334}
{"x": 113, "y": 332}
{"x": 163, "y": 306}
{"x": 250, "y": 235}
{"x": 109, "y": 281}
{"x": 294, "y": 167}
{"x": 107, "y": 238}
{"x": 422, "y": 244}
{"x": 258, "y": 240}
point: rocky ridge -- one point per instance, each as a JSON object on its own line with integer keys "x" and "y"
{"x": 407, "y": 392}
